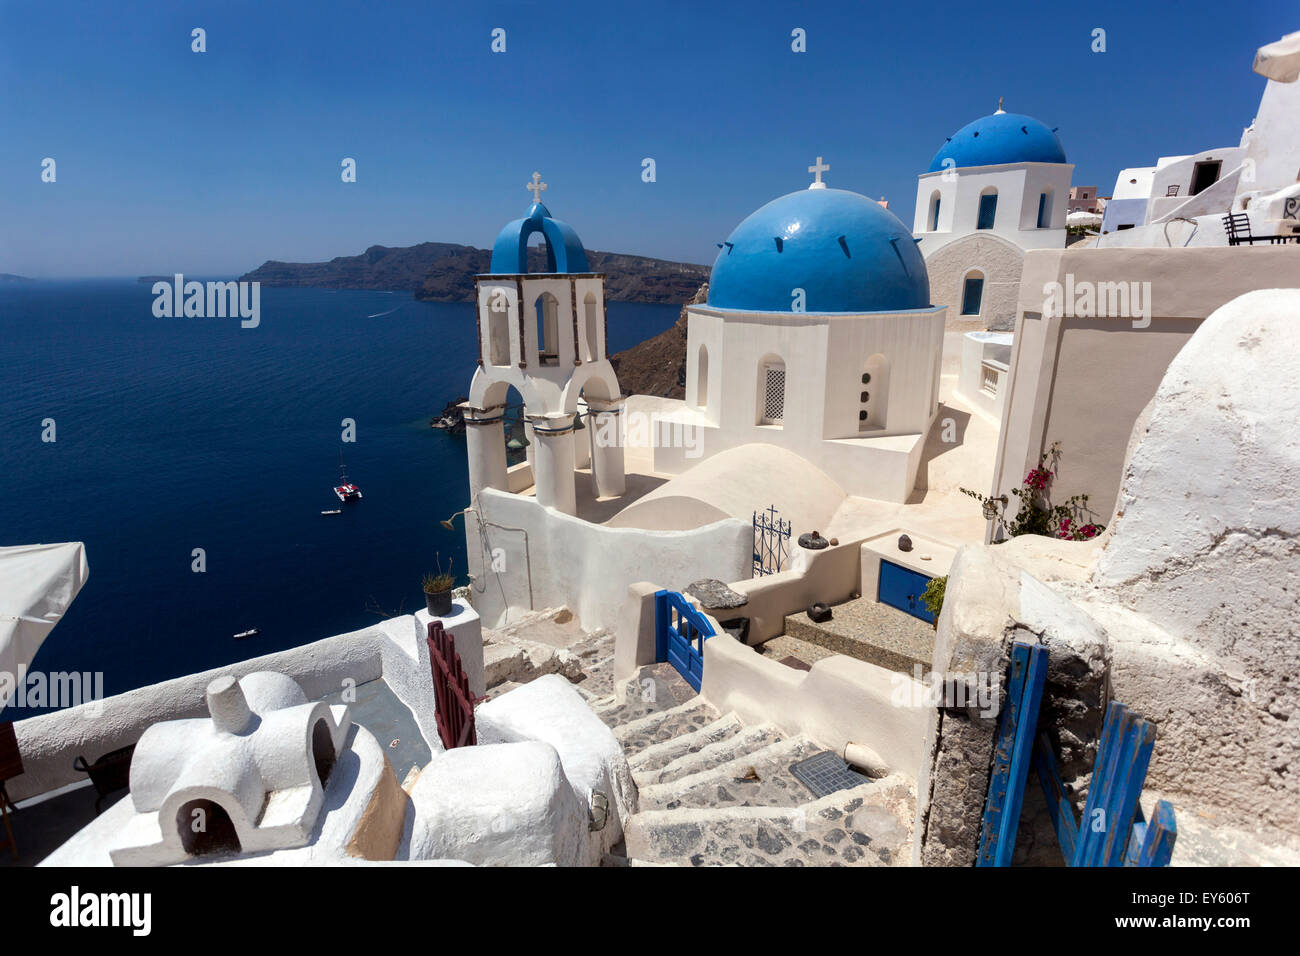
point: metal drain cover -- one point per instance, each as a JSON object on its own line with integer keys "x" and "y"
{"x": 826, "y": 773}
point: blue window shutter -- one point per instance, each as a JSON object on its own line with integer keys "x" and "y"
{"x": 988, "y": 211}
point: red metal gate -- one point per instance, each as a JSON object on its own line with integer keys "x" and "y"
{"x": 455, "y": 702}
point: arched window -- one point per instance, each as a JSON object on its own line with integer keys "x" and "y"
{"x": 972, "y": 292}
{"x": 206, "y": 827}
{"x": 771, "y": 390}
{"x": 702, "y": 377}
{"x": 873, "y": 399}
{"x": 988, "y": 208}
{"x": 591, "y": 327}
{"x": 1045, "y": 209}
{"x": 932, "y": 219}
{"x": 497, "y": 327}
{"x": 548, "y": 329}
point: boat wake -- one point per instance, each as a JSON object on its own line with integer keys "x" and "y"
{"x": 378, "y": 314}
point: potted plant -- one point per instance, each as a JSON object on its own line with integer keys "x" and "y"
{"x": 437, "y": 590}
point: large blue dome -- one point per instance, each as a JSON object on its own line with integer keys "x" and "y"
{"x": 847, "y": 252}
{"x": 999, "y": 139}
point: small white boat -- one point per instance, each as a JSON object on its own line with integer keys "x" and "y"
{"x": 336, "y": 511}
{"x": 251, "y": 632}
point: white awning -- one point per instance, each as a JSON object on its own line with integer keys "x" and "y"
{"x": 1280, "y": 60}
{"x": 37, "y": 583}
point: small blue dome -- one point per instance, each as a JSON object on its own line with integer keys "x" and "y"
{"x": 999, "y": 139}
{"x": 847, "y": 252}
{"x": 564, "y": 252}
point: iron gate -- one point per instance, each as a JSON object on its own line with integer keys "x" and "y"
{"x": 771, "y": 541}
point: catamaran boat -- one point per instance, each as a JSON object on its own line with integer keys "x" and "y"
{"x": 345, "y": 489}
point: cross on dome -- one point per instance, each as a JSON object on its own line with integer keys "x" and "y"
{"x": 817, "y": 169}
{"x": 1000, "y": 109}
{"x": 537, "y": 186}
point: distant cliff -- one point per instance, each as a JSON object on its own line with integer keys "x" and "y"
{"x": 444, "y": 272}
{"x": 658, "y": 366}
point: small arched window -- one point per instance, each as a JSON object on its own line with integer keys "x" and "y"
{"x": 591, "y": 327}
{"x": 1045, "y": 209}
{"x": 972, "y": 292}
{"x": 548, "y": 329}
{"x": 932, "y": 220}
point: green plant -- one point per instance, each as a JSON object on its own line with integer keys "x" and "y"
{"x": 1036, "y": 514}
{"x": 442, "y": 581}
{"x": 933, "y": 596}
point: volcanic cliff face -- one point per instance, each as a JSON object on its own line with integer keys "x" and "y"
{"x": 444, "y": 272}
{"x": 658, "y": 366}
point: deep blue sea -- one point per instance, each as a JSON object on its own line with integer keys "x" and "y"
{"x": 183, "y": 433}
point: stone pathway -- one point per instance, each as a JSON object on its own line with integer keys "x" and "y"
{"x": 712, "y": 791}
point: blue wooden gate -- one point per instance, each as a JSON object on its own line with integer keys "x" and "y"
{"x": 902, "y": 588}
{"x": 680, "y": 633}
{"x": 1112, "y": 831}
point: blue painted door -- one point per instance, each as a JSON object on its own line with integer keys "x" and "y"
{"x": 902, "y": 587}
{"x": 680, "y": 633}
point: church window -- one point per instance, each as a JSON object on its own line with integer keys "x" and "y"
{"x": 591, "y": 327}
{"x": 772, "y": 391}
{"x": 972, "y": 293}
{"x": 548, "y": 330}
{"x": 702, "y": 378}
{"x": 1044, "y": 210}
{"x": 934, "y": 212}
{"x": 988, "y": 210}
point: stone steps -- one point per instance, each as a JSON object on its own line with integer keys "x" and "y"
{"x": 748, "y": 740}
{"x": 656, "y": 756}
{"x": 639, "y": 734}
{"x": 654, "y": 689}
{"x": 760, "y": 778}
{"x": 869, "y": 825}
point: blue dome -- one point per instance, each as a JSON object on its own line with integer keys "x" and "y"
{"x": 847, "y": 252}
{"x": 564, "y": 252}
{"x": 999, "y": 139}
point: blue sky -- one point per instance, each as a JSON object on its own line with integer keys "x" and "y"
{"x": 169, "y": 160}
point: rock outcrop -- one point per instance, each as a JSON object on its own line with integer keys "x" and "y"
{"x": 658, "y": 366}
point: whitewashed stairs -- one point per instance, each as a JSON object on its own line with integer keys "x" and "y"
{"x": 716, "y": 792}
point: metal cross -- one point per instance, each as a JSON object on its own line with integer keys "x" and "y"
{"x": 536, "y": 186}
{"x": 817, "y": 171}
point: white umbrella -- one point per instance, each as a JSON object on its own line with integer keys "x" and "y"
{"x": 1280, "y": 60}
{"x": 37, "y": 583}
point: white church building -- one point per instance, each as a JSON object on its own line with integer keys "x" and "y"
{"x": 997, "y": 188}
{"x": 819, "y": 337}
